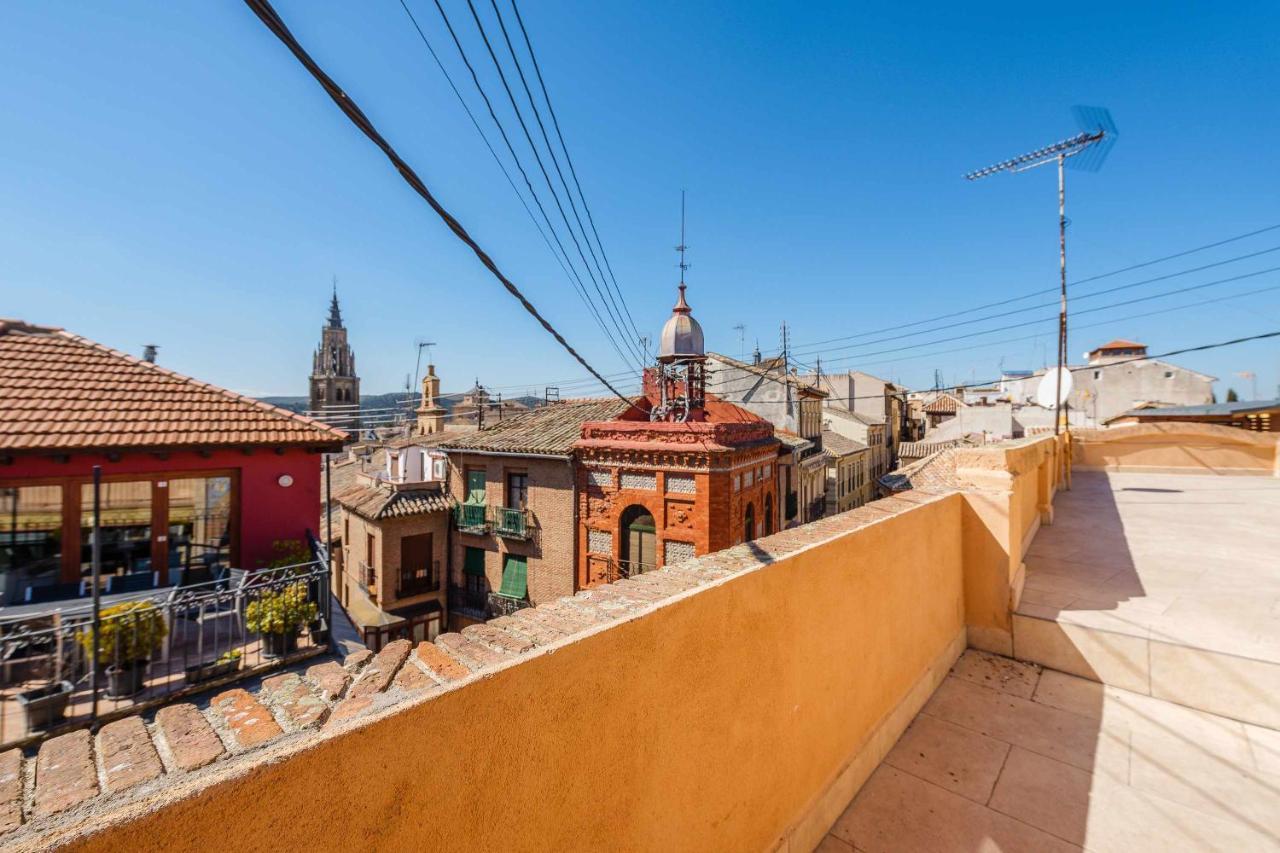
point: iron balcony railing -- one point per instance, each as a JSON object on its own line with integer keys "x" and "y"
{"x": 502, "y": 521}
{"x": 63, "y": 667}
{"x": 510, "y": 523}
{"x": 619, "y": 569}
{"x": 472, "y": 518}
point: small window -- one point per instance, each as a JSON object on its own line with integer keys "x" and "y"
{"x": 475, "y": 485}
{"x": 517, "y": 490}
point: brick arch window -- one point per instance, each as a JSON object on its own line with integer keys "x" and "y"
{"x": 768, "y": 514}
{"x": 749, "y": 523}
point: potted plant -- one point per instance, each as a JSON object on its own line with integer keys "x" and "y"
{"x": 128, "y": 635}
{"x": 279, "y": 615}
{"x": 44, "y": 706}
{"x": 225, "y": 664}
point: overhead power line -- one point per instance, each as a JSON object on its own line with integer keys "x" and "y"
{"x": 1044, "y": 291}
{"x": 1026, "y": 323}
{"x": 575, "y": 277}
{"x": 555, "y": 121}
{"x": 1073, "y": 299}
{"x": 578, "y": 287}
{"x": 1110, "y": 364}
{"x": 610, "y": 308}
{"x": 267, "y": 14}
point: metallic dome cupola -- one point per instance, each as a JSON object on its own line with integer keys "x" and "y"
{"x": 681, "y": 338}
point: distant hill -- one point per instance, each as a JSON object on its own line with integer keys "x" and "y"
{"x": 388, "y": 401}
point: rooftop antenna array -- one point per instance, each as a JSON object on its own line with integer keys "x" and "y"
{"x": 741, "y": 329}
{"x": 1085, "y": 151}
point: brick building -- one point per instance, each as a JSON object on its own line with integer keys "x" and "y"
{"x": 515, "y": 520}
{"x": 393, "y": 523}
{"x": 678, "y": 474}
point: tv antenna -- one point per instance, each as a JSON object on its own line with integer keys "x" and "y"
{"x": 1086, "y": 151}
{"x": 417, "y": 369}
{"x": 741, "y": 329}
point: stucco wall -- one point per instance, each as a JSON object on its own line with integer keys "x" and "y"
{"x": 268, "y": 510}
{"x": 718, "y": 721}
{"x": 1178, "y": 447}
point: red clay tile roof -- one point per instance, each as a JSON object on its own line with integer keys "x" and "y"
{"x": 380, "y": 501}
{"x": 61, "y": 392}
{"x": 551, "y": 429}
{"x": 943, "y": 404}
{"x": 1120, "y": 343}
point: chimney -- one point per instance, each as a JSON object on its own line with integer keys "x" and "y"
{"x": 149, "y": 353}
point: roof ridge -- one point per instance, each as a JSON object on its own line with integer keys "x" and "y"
{"x": 200, "y": 383}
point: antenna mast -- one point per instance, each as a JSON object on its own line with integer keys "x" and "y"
{"x": 682, "y": 247}
{"x": 1089, "y": 148}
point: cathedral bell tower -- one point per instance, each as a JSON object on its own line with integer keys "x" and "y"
{"x": 335, "y": 387}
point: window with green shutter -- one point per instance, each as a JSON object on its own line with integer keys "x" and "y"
{"x": 475, "y": 486}
{"x": 473, "y": 561}
{"x": 515, "y": 577}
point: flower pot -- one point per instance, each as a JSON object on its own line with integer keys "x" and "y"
{"x": 45, "y": 706}
{"x": 126, "y": 680}
{"x": 319, "y": 631}
{"x": 279, "y": 645}
{"x": 209, "y": 671}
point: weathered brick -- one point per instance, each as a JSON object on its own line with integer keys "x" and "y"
{"x": 191, "y": 740}
{"x": 412, "y": 678}
{"x": 377, "y": 676}
{"x": 348, "y": 708}
{"x": 247, "y": 719}
{"x": 440, "y": 664}
{"x": 534, "y": 631}
{"x": 496, "y": 639}
{"x": 65, "y": 775}
{"x": 10, "y": 790}
{"x": 471, "y": 653}
{"x": 578, "y": 609}
{"x": 560, "y": 621}
{"x": 329, "y": 679}
{"x": 128, "y": 757}
{"x": 293, "y": 697}
{"x": 355, "y": 661}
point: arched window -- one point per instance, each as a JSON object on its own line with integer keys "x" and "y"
{"x": 768, "y": 515}
{"x": 639, "y": 540}
{"x": 749, "y": 524}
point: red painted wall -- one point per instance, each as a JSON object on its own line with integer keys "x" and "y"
{"x": 268, "y": 511}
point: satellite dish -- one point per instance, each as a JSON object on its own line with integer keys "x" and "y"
{"x": 1048, "y": 395}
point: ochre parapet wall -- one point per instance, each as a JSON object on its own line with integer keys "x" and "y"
{"x": 1008, "y": 493}
{"x": 735, "y": 702}
{"x": 1178, "y": 448}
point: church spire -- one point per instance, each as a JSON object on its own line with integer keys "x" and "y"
{"x": 335, "y": 313}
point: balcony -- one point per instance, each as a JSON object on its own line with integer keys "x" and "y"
{"x": 471, "y": 518}
{"x": 501, "y": 521}
{"x": 510, "y": 523}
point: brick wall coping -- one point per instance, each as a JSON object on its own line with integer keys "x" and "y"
{"x": 83, "y": 783}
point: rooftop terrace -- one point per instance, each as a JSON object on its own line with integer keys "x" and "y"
{"x": 810, "y": 689}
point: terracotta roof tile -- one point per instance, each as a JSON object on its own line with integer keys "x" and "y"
{"x": 59, "y": 391}
{"x": 550, "y": 429}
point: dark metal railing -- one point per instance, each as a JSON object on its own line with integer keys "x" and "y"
{"x": 511, "y": 523}
{"x": 154, "y": 646}
{"x": 620, "y": 569}
{"x": 472, "y": 518}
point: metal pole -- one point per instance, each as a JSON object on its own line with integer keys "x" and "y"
{"x": 1062, "y": 309}
{"x": 96, "y": 546}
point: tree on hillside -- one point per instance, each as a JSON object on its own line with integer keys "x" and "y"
{"x": 1232, "y": 396}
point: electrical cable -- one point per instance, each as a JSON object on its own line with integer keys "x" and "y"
{"x": 267, "y": 14}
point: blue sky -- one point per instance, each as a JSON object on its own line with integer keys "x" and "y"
{"x": 170, "y": 175}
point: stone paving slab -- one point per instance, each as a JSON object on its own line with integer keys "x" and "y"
{"x": 1076, "y": 765}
